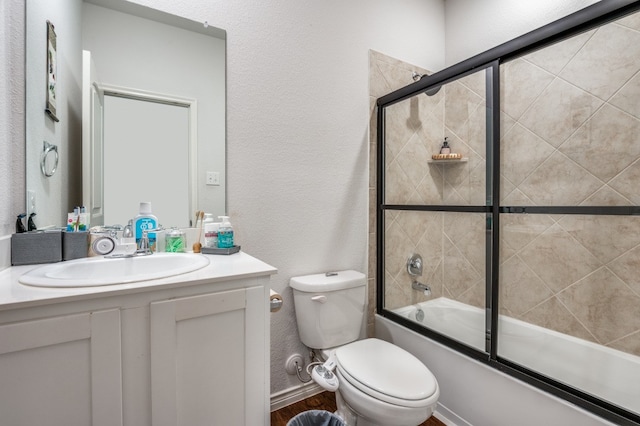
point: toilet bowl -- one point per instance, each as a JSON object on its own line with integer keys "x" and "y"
{"x": 379, "y": 384}
{"x": 383, "y": 384}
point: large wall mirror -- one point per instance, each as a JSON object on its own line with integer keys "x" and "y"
{"x": 137, "y": 102}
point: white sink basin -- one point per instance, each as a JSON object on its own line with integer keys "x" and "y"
{"x": 98, "y": 271}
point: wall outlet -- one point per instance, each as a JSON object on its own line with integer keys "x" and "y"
{"x": 213, "y": 178}
{"x": 31, "y": 202}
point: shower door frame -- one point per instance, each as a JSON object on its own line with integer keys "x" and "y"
{"x": 583, "y": 20}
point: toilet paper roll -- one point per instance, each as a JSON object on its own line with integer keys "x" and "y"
{"x": 275, "y": 301}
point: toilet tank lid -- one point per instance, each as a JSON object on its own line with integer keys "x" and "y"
{"x": 329, "y": 281}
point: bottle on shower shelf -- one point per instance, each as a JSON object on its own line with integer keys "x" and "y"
{"x": 446, "y": 149}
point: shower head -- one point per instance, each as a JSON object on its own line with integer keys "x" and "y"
{"x": 417, "y": 77}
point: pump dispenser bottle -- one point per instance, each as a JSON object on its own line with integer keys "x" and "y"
{"x": 225, "y": 233}
{"x": 446, "y": 149}
{"x": 145, "y": 220}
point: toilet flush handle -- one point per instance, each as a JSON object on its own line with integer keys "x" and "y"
{"x": 319, "y": 298}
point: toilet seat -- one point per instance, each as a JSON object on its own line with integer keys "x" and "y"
{"x": 387, "y": 373}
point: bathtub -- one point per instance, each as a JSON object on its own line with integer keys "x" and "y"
{"x": 606, "y": 373}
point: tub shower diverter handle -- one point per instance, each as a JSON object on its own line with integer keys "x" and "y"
{"x": 319, "y": 298}
{"x": 414, "y": 265}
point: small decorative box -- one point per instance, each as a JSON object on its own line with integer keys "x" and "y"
{"x": 75, "y": 245}
{"x": 30, "y": 248}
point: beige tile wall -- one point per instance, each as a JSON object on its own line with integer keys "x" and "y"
{"x": 385, "y": 75}
{"x": 452, "y": 245}
{"x": 570, "y": 135}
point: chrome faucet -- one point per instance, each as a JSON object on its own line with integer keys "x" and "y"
{"x": 421, "y": 287}
{"x": 144, "y": 248}
{"x": 414, "y": 268}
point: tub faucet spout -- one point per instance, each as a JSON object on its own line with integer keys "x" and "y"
{"x": 421, "y": 287}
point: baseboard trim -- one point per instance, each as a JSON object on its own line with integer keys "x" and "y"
{"x": 448, "y": 417}
{"x": 295, "y": 394}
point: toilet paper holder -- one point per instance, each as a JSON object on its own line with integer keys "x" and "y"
{"x": 275, "y": 301}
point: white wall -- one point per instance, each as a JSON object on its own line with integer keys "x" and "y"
{"x": 474, "y": 26}
{"x": 56, "y": 195}
{"x": 11, "y": 122}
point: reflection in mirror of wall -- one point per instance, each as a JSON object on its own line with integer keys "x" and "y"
{"x": 132, "y": 47}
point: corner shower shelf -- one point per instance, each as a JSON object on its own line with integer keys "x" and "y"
{"x": 459, "y": 160}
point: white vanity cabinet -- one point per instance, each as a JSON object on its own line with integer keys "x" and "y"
{"x": 207, "y": 365}
{"x": 191, "y": 352}
{"x": 62, "y": 370}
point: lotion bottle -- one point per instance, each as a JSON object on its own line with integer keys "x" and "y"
{"x": 225, "y": 233}
{"x": 211, "y": 234}
{"x": 143, "y": 221}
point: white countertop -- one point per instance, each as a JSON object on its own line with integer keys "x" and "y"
{"x": 221, "y": 268}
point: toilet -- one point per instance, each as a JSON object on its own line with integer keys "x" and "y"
{"x": 379, "y": 384}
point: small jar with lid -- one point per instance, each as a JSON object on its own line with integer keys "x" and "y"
{"x": 175, "y": 241}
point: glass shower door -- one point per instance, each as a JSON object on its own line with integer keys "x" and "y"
{"x": 436, "y": 207}
{"x": 570, "y": 237}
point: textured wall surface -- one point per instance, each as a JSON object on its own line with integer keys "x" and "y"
{"x": 12, "y": 154}
{"x": 58, "y": 194}
{"x": 475, "y": 26}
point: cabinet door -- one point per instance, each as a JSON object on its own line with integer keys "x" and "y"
{"x": 62, "y": 371}
{"x": 207, "y": 359}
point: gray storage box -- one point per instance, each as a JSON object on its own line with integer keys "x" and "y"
{"x": 29, "y": 248}
{"x": 75, "y": 245}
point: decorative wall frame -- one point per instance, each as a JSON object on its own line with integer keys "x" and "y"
{"x": 52, "y": 72}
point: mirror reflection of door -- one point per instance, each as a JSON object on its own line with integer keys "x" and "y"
{"x": 92, "y": 138}
{"x": 146, "y": 158}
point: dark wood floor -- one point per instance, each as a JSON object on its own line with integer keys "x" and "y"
{"x": 323, "y": 401}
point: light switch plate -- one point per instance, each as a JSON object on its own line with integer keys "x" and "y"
{"x": 213, "y": 178}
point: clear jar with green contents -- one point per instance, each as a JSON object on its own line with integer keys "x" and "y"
{"x": 175, "y": 241}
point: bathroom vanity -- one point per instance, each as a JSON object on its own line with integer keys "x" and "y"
{"x": 191, "y": 349}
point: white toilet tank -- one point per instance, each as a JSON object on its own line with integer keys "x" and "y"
{"x": 329, "y": 307}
